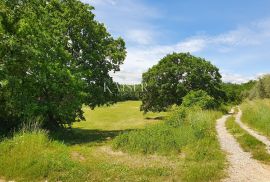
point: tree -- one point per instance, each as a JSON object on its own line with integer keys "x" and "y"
{"x": 55, "y": 57}
{"x": 174, "y": 76}
{"x": 261, "y": 89}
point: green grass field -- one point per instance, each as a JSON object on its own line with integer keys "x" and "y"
{"x": 256, "y": 114}
{"x": 120, "y": 116}
{"x": 84, "y": 153}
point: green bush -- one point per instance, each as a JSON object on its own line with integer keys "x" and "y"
{"x": 200, "y": 99}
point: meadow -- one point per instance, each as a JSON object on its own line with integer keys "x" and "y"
{"x": 256, "y": 114}
{"x": 89, "y": 152}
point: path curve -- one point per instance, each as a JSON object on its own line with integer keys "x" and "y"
{"x": 253, "y": 133}
{"x": 242, "y": 168}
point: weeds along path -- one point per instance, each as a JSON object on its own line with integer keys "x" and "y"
{"x": 253, "y": 133}
{"x": 242, "y": 167}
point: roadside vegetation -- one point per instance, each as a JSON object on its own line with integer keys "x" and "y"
{"x": 188, "y": 132}
{"x": 248, "y": 142}
{"x": 256, "y": 114}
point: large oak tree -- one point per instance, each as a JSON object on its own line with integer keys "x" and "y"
{"x": 174, "y": 76}
{"x": 54, "y": 57}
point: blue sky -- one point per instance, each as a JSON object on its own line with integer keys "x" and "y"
{"x": 232, "y": 34}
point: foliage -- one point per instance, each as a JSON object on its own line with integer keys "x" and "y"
{"x": 129, "y": 92}
{"x": 174, "y": 76}
{"x": 54, "y": 57}
{"x": 248, "y": 142}
{"x": 262, "y": 88}
{"x": 235, "y": 93}
{"x": 257, "y": 115}
{"x": 200, "y": 99}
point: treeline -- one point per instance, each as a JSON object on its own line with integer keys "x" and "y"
{"x": 261, "y": 89}
{"x": 129, "y": 92}
{"x": 236, "y": 93}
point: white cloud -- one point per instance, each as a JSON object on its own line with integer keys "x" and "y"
{"x": 140, "y": 36}
{"x": 140, "y": 58}
{"x": 236, "y": 50}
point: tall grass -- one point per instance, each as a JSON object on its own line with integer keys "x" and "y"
{"x": 31, "y": 156}
{"x": 257, "y": 115}
{"x": 190, "y": 132}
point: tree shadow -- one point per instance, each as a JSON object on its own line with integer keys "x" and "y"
{"x": 75, "y": 136}
{"x": 155, "y": 118}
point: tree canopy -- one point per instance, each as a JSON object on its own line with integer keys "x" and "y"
{"x": 261, "y": 89}
{"x": 174, "y": 76}
{"x": 54, "y": 57}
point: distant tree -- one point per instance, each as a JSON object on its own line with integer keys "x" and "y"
{"x": 176, "y": 75}
{"x": 235, "y": 93}
{"x": 261, "y": 89}
{"x": 129, "y": 92}
{"x": 54, "y": 57}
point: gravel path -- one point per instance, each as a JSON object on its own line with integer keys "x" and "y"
{"x": 255, "y": 134}
{"x": 242, "y": 168}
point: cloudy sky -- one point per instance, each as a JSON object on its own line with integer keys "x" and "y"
{"x": 232, "y": 34}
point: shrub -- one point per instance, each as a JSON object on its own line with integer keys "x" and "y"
{"x": 200, "y": 99}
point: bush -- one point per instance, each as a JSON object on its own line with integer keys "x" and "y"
{"x": 200, "y": 99}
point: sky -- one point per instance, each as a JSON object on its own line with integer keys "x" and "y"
{"x": 233, "y": 34}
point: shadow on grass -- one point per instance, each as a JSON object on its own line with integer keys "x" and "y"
{"x": 156, "y": 118}
{"x": 82, "y": 136}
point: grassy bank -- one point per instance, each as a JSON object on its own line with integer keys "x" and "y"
{"x": 189, "y": 133}
{"x": 248, "y": 142}
{"x": 257, "y": 115}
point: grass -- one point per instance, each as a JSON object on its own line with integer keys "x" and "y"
{"x": 248, "y": 142}
{"x": 257, "y": 115}
{"x": 120, "y": 116}
{"x": 78, "y": 155}
{"x": 84, "y": 153}
{"x": 190, "y": 133}
{"x": 32, "y": 156}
